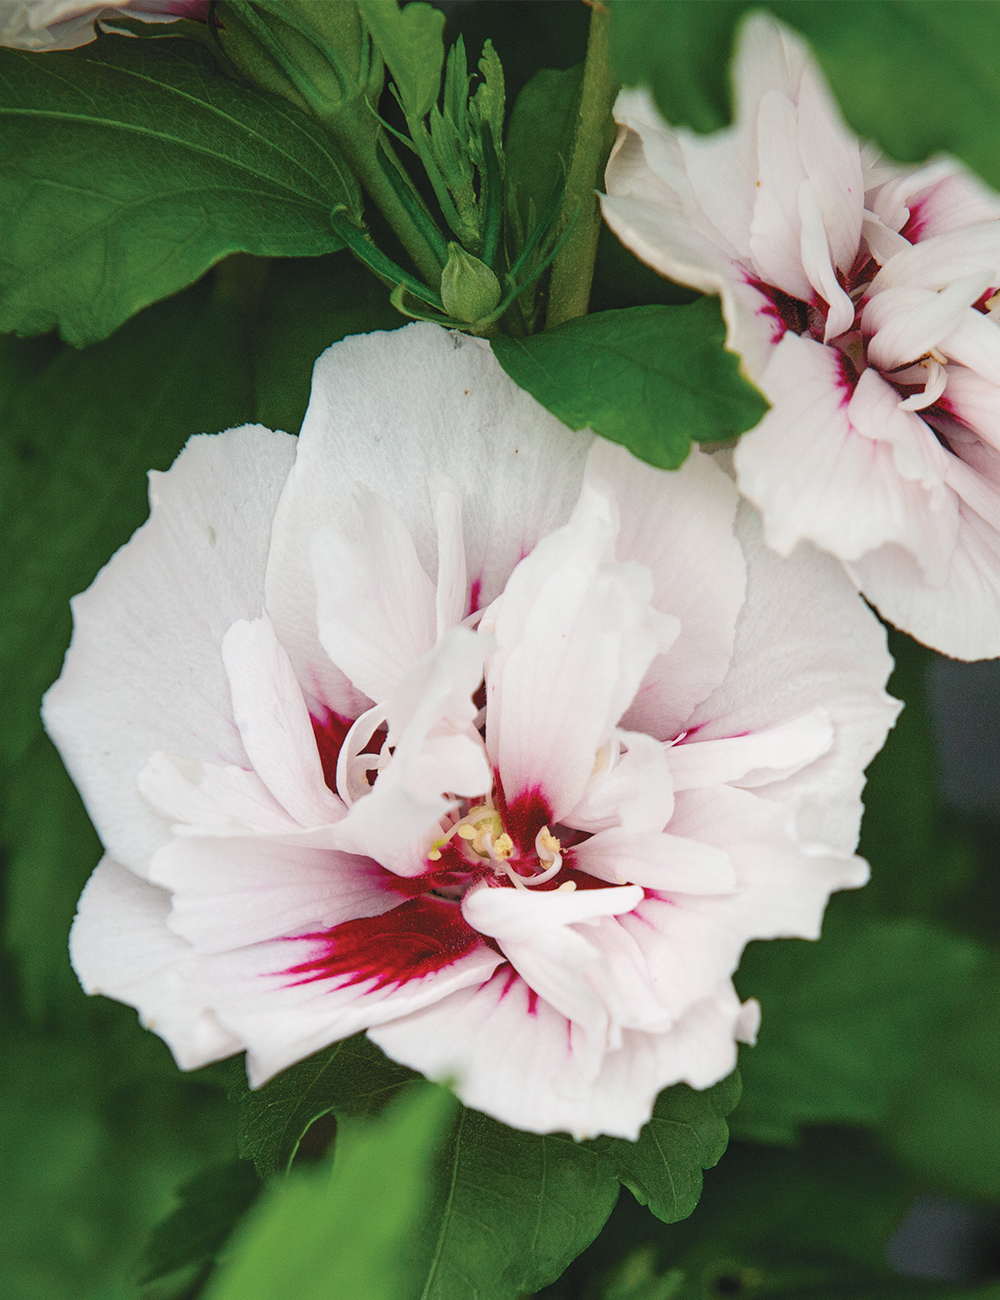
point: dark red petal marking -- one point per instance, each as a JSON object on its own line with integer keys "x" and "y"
{"x": 524, "y": 817}
{"x": 789, "y": 313}
{"x": 848, "y": 377}
{"x": 915, "y": 222}
{"x": 415, "y": 939}
{"x": 511, "y": 979}
{"x": 330, "y": 732}
{"x": 474, "y": 593}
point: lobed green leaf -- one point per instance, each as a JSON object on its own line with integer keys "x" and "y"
{"x": 891, "y": 1024}
{"x": 684, "y": 1136}
{"x": 917, "y": 76}
{"x": 211, "y": 1205}
{"x": 654, "y": 379}
{"x": 345, "y": 1233}
{"x": 539, "y": 141}
{"x": 507, "y": 1211}
{"x": 128, "y": 167}
{"x": 411, "y": 41}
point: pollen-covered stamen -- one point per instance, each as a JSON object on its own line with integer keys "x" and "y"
{"x": 483, "y": 839}
{"x": 548, "y": 849}
{"x": 482, "y": 834}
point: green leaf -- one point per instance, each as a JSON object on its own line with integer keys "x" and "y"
{"x": 345, "y": 1233}
{"x": 129, "y": 167}
{"x": 351, "y": 1078}
{"x": 771, "y": 1221}
{"x": 509, "y": 1210}
{"x": 211, "y": 1205}
{"x": 96, "y": 1129}
{"x": 918, "y": 76}
{"x": 52, "y": 850}
{"x": 75, "y": 447}
{"x": 540, "y": 139}
{"x": 664, "y": 1168}
{"x": 890, "y": 1024}
{"x": 496, "y": 1188}
{"x": 946, "y": 1123}
{"x": 411, "y": 41}
{"x": 652, "y": 378}
{"x": 680, "y": 49}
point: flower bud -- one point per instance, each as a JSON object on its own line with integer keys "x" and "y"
{"x": 469, "y": 289}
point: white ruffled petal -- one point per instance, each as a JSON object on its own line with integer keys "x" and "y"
{"x": 575, "y": 634}
{"x": 274, "y": 723}
{"x": 906, "y": 322}
{"x": 960, "y": 616}
{"x": 375, "y": 605}
{"x": 975, "y": 401}
{"x": 832, "y": 161}
{"x": 806, "y": 641}
{"x": 120, "y": 946}
{"x": 441, "y": 404}
{"x": 229, "y": 893}
{"x": 144, "y": 671}
{"x": 630, "y": 787}
{"x": 679, "y": 524}
{"x": 655, "y": 861}
{"x": 754, "y": 758}
{"x": 775, "y": 231}
{"x": 513, "y": 1056}
{"x": 975, "y": 343}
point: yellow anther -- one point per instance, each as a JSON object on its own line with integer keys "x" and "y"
{"x": 468, "y": 832}
{"x": 548, "y": 843}
{"x": 434, "y": 855}
{"x": 503, "y": 846}
{"x": 566, "y": 887}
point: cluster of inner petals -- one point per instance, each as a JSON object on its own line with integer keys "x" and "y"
{"x": 808, "y": 319}
{"x": 487, "y": 839}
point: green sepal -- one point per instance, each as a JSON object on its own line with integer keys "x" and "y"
{"x": 367, "y": 251}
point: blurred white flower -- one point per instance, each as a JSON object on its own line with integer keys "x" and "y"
{"x": 66, "y": 24}
{"x": 859, "y": 295}
{"x": 448, "y": 724}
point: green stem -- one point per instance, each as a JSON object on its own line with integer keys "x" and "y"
{"x": 573, "y": 269}
{"x": 356, "y": 132}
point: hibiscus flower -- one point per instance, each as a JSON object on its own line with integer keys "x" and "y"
{"x": 859, "y": 295}
{"x": 66, "y": 24}
{"x": 448, "y": 724}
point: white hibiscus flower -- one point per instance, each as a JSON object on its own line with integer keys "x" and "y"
{"x": 66, "y": 24}
{"x": 859, "y": 295}
{"x": 445, "y": 723}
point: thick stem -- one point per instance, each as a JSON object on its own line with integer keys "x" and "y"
{"x": 356, "y": 133}
{"x": 573, "y": 269}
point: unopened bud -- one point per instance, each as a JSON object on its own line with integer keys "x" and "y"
{"x": 469, "y": 289}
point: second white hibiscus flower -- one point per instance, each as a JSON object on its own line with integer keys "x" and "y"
{"x": 859, "y": 294}
{"x": 444, "y": 723}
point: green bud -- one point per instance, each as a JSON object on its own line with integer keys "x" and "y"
{"x": 313, "y": 52}
{"x": 469, "y": 289}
